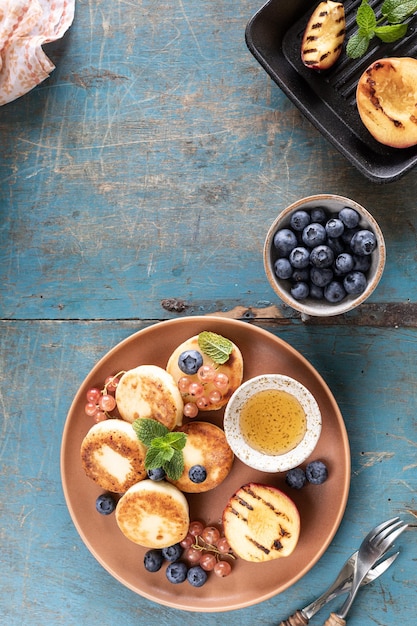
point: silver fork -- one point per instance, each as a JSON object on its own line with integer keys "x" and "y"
{"x": 375, "y": 544}
{"x": 342, "y": 584}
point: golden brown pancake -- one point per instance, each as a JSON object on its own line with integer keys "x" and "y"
{"x": 233, "y": 368}
{"x": 112, "y": 455}
{"x": 149, "y": 391}
{"x": 207, "y": 446}
{"x": 153, "y": 514}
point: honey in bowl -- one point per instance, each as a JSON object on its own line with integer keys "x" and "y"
{"x": 273, "y": 421}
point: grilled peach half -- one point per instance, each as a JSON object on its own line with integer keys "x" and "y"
{"x": 261, "y": 523}
{"x": 386, "y": 98}
{"x": 324, "y": 36}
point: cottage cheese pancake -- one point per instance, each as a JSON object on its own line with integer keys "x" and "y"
{"x": 207, "y": 447}
{"x": 153, "y": 514}
{"x": 149, "y": 391}
{"x": 112, "y": 456}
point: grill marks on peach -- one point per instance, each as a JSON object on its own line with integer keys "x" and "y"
{"x": 239, "y": 512}
{"x": 324, "y": 36}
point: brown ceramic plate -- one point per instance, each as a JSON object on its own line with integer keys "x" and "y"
{"x": 321, "y": 507}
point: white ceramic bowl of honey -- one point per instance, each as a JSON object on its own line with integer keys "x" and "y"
{"x": 272, "y": 423}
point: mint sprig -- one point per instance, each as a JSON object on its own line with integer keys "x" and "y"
{"x": 215, "y": 346}
{"x": 164, "y": 447}
{"x": 393, "y": 12}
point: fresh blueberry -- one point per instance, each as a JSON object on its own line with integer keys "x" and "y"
{"x": 105, "y": 504}
{"x": 363, "y": 242}
{"x": 314, "y": 234}
{"x": 334, "y": 227}
{"x": 153, "y": 560}
{"x": 156, "y": 474}
{"x": 296, "y": 478}
{"x": 301, "y": 276}
{"x": 362, "y": 263}
{"x": 284, "y": 241}
{"x": 300, "y": 291}
{"x": 316, "y": 472}
{"x": 318, "y": 214}
{"x": 172, "y": 553}
{"x": 336, "y": 244}
{"x": 176, "y": 572}
{"x": 196, "y": 576}
{"x": 322, "y": 256}
{"x": 334, "y": 292}
{"x": 350, "y": 217}
{"x": 283, "y": 268}
{"x": 299, "y": 257}
{"x": 316, "y": 292}
{"x": 197, "y": 474}
{"x": 321, "y": 276}
{"x": 190, "y": 361}
{"x": 348, "y": 234}
{"x": 344, "y": 263}
{"x": 299, "y": 220}
{"x": 355, "y": 283}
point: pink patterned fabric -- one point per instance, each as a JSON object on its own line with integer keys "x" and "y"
{"x": 24, "y": 26}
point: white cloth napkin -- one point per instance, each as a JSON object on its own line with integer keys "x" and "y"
{"x": 24, "y": 26}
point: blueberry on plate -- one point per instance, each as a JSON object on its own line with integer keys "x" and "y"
{"x": 314, "y": 234}
{"x": 316, "y": 472}
{"x": 190, "y": 361}
{"x": 344, "y": 263}
{"x": 299, "y": 257}
{"x": 196, "y": 576}
{"x": 283, "y": 268}
{"x": 301, "y": 276}
{"x": 355, "y": 283}
{"x": 157, "y": 474}
{"x": 334, "y": 227}
{"x": 172, "y": 553}
{"x": 350, "y": 217}
{"x": 153, "y": 560}
{"x": 322, "y": 256}
{"x": 284, "y": 241}
{"x": 300, "y": 291}
{"x": 321, "y": 276}
{"x": 318, "y": 214}
{"x": 299, "y": 220}
{"x": 334, "y": 292}
{"x": 197, "y": 474}
{"x": 363, "y": 242}
{"x": 105, "y": 504}
{"x": 176, "y": 572}
{"x": 296, "y": 478}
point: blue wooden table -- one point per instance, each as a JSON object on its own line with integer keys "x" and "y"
{"x": 137, "y": 185}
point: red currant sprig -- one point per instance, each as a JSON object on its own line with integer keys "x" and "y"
{"x": 100, "y": 402}
{"x": 207, "y": 376}
{"x": 207, "y": 547}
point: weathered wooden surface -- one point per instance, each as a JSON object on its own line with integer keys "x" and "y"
{"x": 137, "y": 184}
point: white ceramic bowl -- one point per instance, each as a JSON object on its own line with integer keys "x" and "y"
{"x": 309, "y": 306}
{"x": 254, "y": 457}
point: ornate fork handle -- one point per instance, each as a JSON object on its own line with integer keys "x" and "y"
{"x": 295, "y": 620}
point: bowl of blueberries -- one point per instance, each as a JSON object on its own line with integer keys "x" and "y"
{"x": 324, "y": 255}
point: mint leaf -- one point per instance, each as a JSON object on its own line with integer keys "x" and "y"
{"x": 148, "y": 429}
{"x": 155, "y": 458}
{"x": 396, "y": 11}
{"x": 175, "y": 467}
{"x": 365, "y": 17}
{"x": 215, "y": 346}
{"x": 391, "y": 33}
{"x": 164, "y": 447}
{"x": 358, "y": 45}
